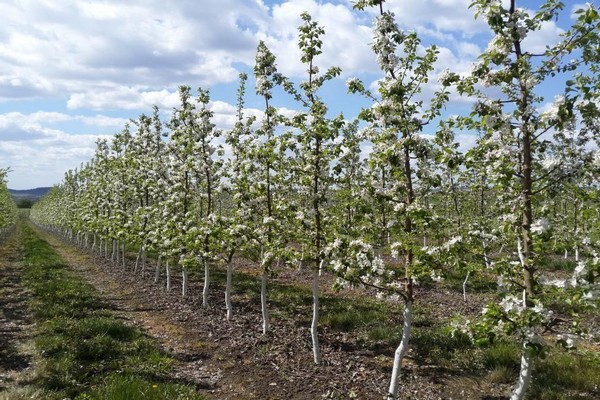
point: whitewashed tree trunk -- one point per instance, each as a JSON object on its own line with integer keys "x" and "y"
{"x": 576, "y": 254}
{"x": 566, "y": 254}
{"x": 184, "y": 284}
{"x": 401, "y": 351}
{"x": 228, "y": 292}
{"x": 114, "y": 255}
{"x": 465, "y": 286}
{"x": 263, "y": 302}
{"x": 157, "y": 269}
{"x": 123, "y": 255}
{"x": 315, "y": 318}
{"x": 94, "y": 243}
{"x": 206, "y": 284}
{"x": 143, "y": 259}
{"x": 138, "y": 259}
{"x": 106, "y": 249}
{"x": 168, "y": 272}
{"x": 486, "y": 259}
{"x": 524, "y": 375}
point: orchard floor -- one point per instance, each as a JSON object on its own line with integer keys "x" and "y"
{"x": 234, "y": 360}
{"x": 15, "y": 319}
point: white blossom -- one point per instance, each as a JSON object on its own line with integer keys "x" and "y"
{"x": 540, "y": 226}
{"x": 512, "y": 304}
{"x": 552, "y": 113}
{"x": 550, "y": 163}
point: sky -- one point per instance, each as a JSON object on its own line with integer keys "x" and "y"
{"x": 73, "y": 71}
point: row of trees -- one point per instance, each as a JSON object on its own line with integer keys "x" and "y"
{"x": 8, "y": 209}
{"x": 300, "y": 191}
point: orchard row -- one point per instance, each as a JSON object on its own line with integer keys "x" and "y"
{"x": 283, "y": 190}
{"x": 8, "y": 208}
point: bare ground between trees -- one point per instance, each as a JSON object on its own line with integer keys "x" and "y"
{"x": 233, "y": 360}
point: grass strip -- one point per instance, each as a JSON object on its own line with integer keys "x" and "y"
{"x": 86, "y": 352}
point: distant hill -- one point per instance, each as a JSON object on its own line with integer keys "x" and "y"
{"x": 29, "y": 194}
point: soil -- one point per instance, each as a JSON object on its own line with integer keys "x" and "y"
{"x": 233, "y": 359}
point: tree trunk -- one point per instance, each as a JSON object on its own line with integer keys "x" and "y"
{"x": 228, "y": 292}
{"x": 143, "y": 259}
{"x": 524, "y": 375}
{"x": 168, "y": 272}
{"x": 138, "y": 259}
{"x": 206, "y": 284}
{"x": 157, "y": 269}
{"x": 465, "y": 286}
{"x": 401, "y": 351}
{"x": 263, "y": 302}
{"x": 114, "y": 249}
{"x": 184, "y": 283}
{"x": 315, "y": 318}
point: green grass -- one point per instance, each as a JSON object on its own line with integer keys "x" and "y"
{"x": 480, "y": 282}
{"x": 558, "y": 264}
{"x": 118, "y": 387}
{"x": 85, "y": 351}
{"x": 578, "y": 373}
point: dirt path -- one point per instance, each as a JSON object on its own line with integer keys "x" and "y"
{"x": 15, "y": 321}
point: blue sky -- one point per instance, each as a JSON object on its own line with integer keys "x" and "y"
{"x": 73, "y": 71}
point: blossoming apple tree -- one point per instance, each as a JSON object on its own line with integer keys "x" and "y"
{"x": 527, "y": 151}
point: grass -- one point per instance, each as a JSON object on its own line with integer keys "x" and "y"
{"x": 577, "y": 372}
{"x": 118, "y": 387}
{"x": 558, "y": 264}
{"x": 479, "y": 282}
{"x": 85, "y": 351}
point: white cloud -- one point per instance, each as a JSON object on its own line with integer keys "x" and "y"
{"x": 548, "y": 35}
{"x": 345, "y": 43}
{"x": 104, "y": 122}
{"x": 38, "y": 155}
{"x": 442, "y": 16}
{"x": 123, "y": 98}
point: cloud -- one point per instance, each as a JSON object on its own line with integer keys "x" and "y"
{"x": 441, "y": 16}
{"x": 345, "y": 43}
{"x": 548, "y": 36}
{"x": 123, "y": 98}
{"x": 74, "y": 45}
{"x": 38, "y": 155}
